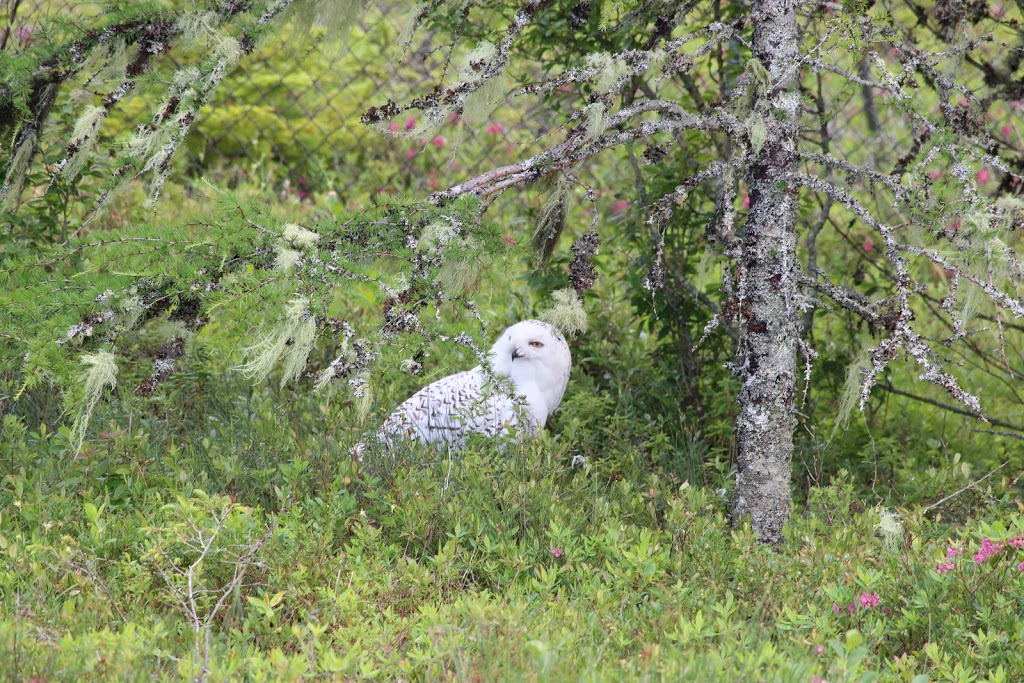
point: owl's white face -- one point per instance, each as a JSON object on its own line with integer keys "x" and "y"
{"x": 537, "y": 359}
{"x": 530, "y": 343}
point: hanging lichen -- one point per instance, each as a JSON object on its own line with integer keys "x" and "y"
{"x": 596, "y": 117}
{"x": 290, "y": 343}
{"x": 85, "y": 130}
{"x": 460, "y": 275}
{"x": 851, "y": 389}
{"x": 490, "y": 87}
{"x": 551, "y": 222}
{"x": 566, "y": 313}
{"x": 757, "y": 130}
{"x": 101, "y": 373}
{"x": 15, "y": 179}
{"x": 610, "y": 70}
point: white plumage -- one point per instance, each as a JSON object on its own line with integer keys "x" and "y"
{"x": 534, "y": 358}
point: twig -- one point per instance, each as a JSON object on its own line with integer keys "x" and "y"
{"x": 953, "y": 409}
{"x": 992, "y": 431}
{"x": 969, "y": 486}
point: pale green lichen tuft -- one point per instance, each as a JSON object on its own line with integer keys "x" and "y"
{"x": 185, "y": 77}
{"x": 286, "y": 259}
{"x": 596, "y": 117}
{"x": 132, "y": 310}
{"x": 229, "y": 50}
{"x": 460, "y": 276}
{"x": 610, "y": 70}
{"x": 970, "y": 299}
{"x": 15, "y": 179}
{"x": 101, "y": 373}
{"x": 436, "y": 235}
{"x": 890, "y": 528}
{"x": 551, "y": 222}
{"x": 851, "y": 390}
{"x": 489, "y": 91}
{"x": 115, "y": 66}
{"x": 480, "y": 103}
{"x": 364, "y": 397}
{"x": 760, "y": 79}
{"x": 146, "y": 142}
{"x": 707, "y": 259}
{"x": 566, "y": 313}
{"x": 757, "y": 130}
{"x": 339, "y": 17}
{"x": 198, "y": 27}
{"x": 290, "y": 343}
{"x": 476, "y": 61}
{"x": 299, "y": 236}
{"x": 84, "y": 132}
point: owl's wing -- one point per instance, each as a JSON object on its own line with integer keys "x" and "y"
{"x": 446, "y": 412}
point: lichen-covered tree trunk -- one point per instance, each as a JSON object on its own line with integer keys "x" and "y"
{"x": 769, "y": 296}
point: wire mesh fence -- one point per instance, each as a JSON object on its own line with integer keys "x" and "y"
{"x": 290, "y": 111}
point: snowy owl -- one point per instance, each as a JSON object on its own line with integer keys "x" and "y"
{"x": 534, "y": 358}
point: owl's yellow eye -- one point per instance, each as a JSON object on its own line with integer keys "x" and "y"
{"x": 537, "y": 344}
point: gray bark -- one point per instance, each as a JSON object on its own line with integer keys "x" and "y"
{"x": 769, "y": 295}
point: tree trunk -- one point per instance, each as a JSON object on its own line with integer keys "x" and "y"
{"x": 769, "y": 295}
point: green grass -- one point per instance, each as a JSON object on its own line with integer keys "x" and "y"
{"x": 486, "y": 567}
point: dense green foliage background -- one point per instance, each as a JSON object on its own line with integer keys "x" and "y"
{"x": 482, "y": 567}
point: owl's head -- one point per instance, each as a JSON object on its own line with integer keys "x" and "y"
{"x": 537, "y": 359}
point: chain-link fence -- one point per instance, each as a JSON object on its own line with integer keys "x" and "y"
{"x": 291, "y": 109}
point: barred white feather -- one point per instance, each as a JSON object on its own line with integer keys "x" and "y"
{"x": 529, "y": 372}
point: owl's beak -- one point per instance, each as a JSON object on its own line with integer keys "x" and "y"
{"x": 516, "y": 354}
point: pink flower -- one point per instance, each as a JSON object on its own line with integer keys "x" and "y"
{"x": 868, "y": 600}
{"x": 1018, "y": 542}
{"x": 868, "y": 245}
{"x": 987, "y": 551}
{"x": 438, "y": 142}
{"x": 1006, "y": 131}
{"x": 819, "y": 649}
{"x": 983, "y": 176}
{"x": 953, "y": 552}
{"x": 835, "y": 609}
{"x": 852, "y": 608}
{"x": 997, "y": 11}
{"x": 495, "y": 129}
{"x": 620, "y": 206}
{"x": 556, "y": 552}
{"x": 453, "y": 117}
{"x": 935, "y": 175}
{"x": 1021, "y": 566}
{"x": 24, "y": 34}
{"x": 943, "y": 567}
{"x": 410, "y": 123}
{"x": 411, "y": 153}
{"x": 746, "y": 201}
{"x": 885, "y": 610}
{"x": 394, "y": 126}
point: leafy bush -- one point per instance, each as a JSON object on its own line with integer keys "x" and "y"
{"x": 483, "y": 567}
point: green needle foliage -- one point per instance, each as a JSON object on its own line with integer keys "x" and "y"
{"x": 243, "y": 273}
